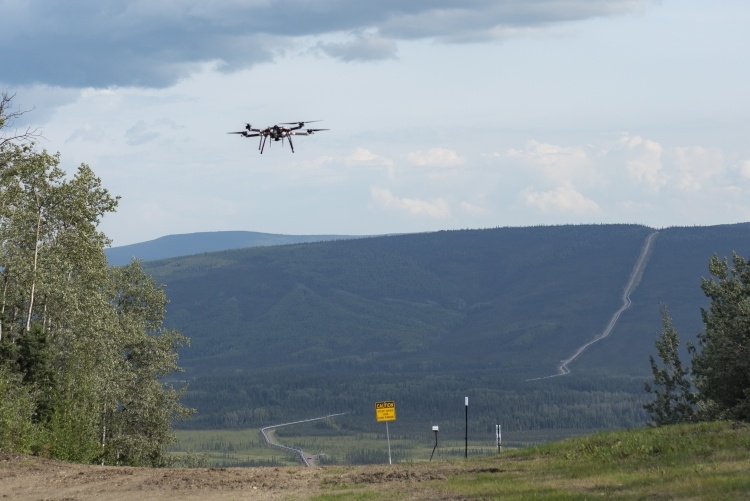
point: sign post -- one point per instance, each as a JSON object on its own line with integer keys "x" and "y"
{"x": 386, "y": 411}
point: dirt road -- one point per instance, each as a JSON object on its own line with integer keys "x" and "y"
{"x": 32, "y": 478}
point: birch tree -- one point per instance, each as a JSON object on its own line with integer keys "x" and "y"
{"x": 82, "y": 344}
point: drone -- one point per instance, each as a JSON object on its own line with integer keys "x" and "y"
{"x": 279, "y": 132}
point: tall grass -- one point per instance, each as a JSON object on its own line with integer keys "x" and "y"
{"x": 704, "y": 461}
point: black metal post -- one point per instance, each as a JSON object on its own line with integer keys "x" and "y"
{"x": 466, "y": 437}
{"x": 435, "y": 431}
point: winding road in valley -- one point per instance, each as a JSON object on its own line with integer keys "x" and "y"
{"x": 635, "y": 278}
{"x": 269, "y": 438}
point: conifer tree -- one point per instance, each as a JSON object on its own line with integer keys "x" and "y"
{"x": 722, "y": 362}
{"x": 674, "y": 399}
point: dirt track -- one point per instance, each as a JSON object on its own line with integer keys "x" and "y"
{"x": 31, "y": 478}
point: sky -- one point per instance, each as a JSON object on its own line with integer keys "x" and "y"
{"x": 442, "y": 114}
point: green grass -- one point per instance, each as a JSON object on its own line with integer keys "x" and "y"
{"x": 224, "y": 448}
{"x": 708, "y": 461}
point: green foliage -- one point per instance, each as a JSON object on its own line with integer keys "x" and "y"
{"x": 18, "y": 430}
{"x": 674, "y": 399}
{"x": 36, "y": 363}
{"x": 140, "y": 408}
{"x": 82, "y": 346}
{"x": 73, "y": 431}
{"x": 722, "y": 363}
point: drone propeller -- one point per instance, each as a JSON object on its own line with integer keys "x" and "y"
{"x": 244, "y": 133}
{"x": 307, "y": 132}
{"x": 300, "y": 124}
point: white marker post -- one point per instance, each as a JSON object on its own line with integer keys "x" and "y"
{"x": 499, "y": 436}
{"x": 388, "y": 437}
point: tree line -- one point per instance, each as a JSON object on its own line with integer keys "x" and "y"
{"x": 83, "y": 349}
{"x": 715, "y": 384}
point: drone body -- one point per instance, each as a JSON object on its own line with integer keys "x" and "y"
{"x": 278, "y": 133}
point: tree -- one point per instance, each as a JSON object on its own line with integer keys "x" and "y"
{"x": 82, "y": 346}
{"x": 140, "y": 413}
{"x": 18, "y": 431}
{"x": 675, "y": 401}
{"x": 7, "y": 116}
{"x": 722, "y": 364}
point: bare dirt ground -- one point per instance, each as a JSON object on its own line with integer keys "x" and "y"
{"x": 33, "y": 478}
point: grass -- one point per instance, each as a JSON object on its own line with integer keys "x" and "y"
{"x": 708, "y": 461}
{"x": 705, "y": 461}
{"x": 224, "y": 448}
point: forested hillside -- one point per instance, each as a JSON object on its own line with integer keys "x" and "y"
{"x": 197, "y": 243}
{"x": 288, "y": 332}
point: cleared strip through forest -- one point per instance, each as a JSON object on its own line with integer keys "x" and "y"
{"x": 635, "y": 278}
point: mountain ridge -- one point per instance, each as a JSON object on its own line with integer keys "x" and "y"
{"x": 311, "y": 328}
{"x": 185, "y": 244}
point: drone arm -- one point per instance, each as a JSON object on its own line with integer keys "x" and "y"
{"x": 308, "y": 132}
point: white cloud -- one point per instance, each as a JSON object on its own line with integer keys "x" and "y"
{"x": 87, "y": 133}
{"x": 140, "y": 133}
{"x": 363, "y": 156}
{"x": 436, "y": 208}
{"x": 558, "y": 164}
{"x": 745, "y": 169}
{"x": 564, "y": 199}
{"x": 646, "y": 167}
{"x": 698, "y": 167}
{"x": 472, "y": 209}
{"x": 435, "y": 157}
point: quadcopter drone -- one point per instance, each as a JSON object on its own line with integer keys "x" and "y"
{"x": 278, "y": 133}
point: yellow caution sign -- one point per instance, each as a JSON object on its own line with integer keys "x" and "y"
{"x": 385, "y": 411}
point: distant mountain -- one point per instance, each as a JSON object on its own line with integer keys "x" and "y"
{"x": 296, "y": 331}
{"x": 199, "y": 243}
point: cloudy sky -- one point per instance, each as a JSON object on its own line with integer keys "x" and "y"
{"x": 443, "y": 114}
